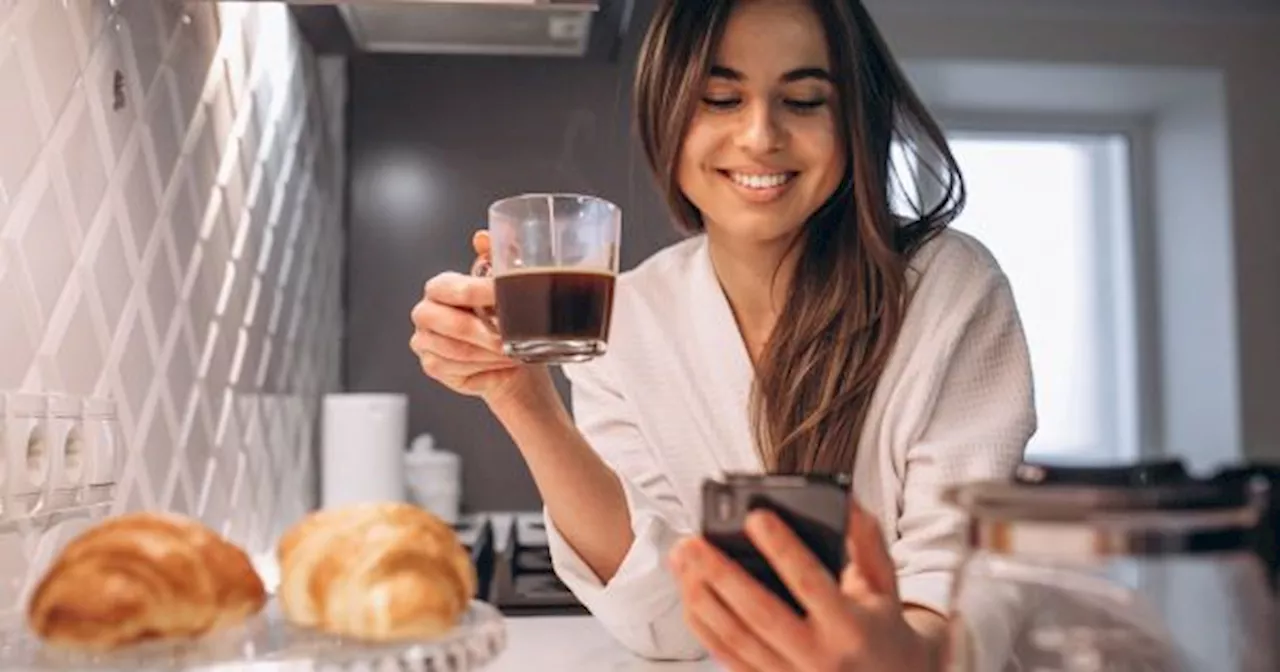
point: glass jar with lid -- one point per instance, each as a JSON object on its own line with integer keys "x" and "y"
{"x": 1135, "y": 568}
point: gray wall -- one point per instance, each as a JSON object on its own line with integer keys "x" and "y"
{"x": 434, "y": 140}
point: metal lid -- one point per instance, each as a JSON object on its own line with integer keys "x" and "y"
{"x": 1073, "y": 513}
{"x": 1065, "y": 493}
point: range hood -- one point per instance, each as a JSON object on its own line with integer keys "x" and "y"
{"x": 570, "y": 28}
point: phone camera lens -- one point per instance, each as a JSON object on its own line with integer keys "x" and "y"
{"x": 724, "y": 506}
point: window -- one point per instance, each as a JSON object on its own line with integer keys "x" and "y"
{"x": 1054, "y": 211}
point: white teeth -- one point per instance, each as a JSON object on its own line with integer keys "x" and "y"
{"x": 761, "y": 181}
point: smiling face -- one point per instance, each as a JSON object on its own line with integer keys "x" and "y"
{"x": 747, "y": 137}
{"x": 763, "y": 152}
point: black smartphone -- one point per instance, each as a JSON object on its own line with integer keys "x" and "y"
{"x": 815, "y": 507}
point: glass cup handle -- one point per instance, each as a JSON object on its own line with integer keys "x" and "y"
{"x": 483, "y": 268}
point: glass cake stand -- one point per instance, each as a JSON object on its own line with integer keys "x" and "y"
{"x": 268, "y": 642}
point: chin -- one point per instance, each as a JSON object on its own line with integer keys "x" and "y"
{"x": 757, "y": 228}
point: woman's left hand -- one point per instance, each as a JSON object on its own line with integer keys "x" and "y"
{"x": 856, "y": 624}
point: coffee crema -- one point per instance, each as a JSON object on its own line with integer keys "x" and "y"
{"x": 554, "y": 304}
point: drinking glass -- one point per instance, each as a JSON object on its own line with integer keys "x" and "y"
{"x": 554, "y": 261}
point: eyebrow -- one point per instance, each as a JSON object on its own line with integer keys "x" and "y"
{"x": 722, "y": 72}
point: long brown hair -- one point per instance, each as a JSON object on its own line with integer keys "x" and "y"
{"x": 849, "y": 295}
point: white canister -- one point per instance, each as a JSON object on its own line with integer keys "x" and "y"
{"x": 27, "y": 450}
{"x": 66, "y": 449}
{"x": 362, "y": 448}
{"x": 103, "y": 446}
{"x": 435, "y": 478}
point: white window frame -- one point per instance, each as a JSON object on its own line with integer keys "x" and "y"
{"x": 1126, "y": 237}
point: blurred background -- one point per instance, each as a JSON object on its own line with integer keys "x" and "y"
{"x": 212, "y": 214}
{"x": 1117, "y": 155}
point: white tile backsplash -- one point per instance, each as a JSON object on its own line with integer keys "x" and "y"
{"x": 108, "y": 78}
{"x": 16, "y": 342}
{"x": 163, "y": 124}
{"x": 140, "y": 201}
{"x": 54, "y": 54}
{"x": 113, "y": 269}
{"x": 142, "y": 34}
{"x": 82, "y": 157}
{"x": 166, "y": 188}
{"x": 79, "y": 355}
{"x": 22, "y": 134}
{"x": 46, "y": 241}
{"x": 89, "y": 19}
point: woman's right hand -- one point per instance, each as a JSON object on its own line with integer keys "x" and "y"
{"x": 455, "y": 346}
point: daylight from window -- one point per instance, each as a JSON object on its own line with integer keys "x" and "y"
{"x": 1044, "y": 207}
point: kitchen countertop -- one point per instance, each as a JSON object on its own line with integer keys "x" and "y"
{"x": 550, "y": 643}
{"x": 571, "y": 643}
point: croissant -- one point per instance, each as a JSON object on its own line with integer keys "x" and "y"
{"x": 143, "y": 576}
{"x": 379, "y": 571}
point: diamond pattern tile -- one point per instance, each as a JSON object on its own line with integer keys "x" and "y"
{"x": 111, "y": 84}
{"x": 89, "y": 18}
{"x": 79, "y": 354}
{"x": 54, "y": 54}
{"x": 214, "y": 504}
{"x": 46, "y": 241}
{"x": 167, "y": 239}
{"x": 180, "y": 368}
{"x": 16, "y": 340}
{"x": 143, "y": 36}
{"x": 140, "y": 200}
{"x": 134, "y": 366}
{"x": 184, "y": 221}
{"x": 81, "y": 154}
{"x": 176, "y": 497}
{"x": 17, "y": 117}
{"x": 113, "y": 270}
{"x": 162, "y": 286}
{"x": 196, "y": 440}
{"x": 165, "y": 129}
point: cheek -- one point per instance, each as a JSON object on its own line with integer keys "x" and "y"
{"x": 695, "y": 156}
{"x": 824, "y": 144}
{"x": 823, "y": 152}
{"x": 697, "y": 145}
{"x": 686, "y": 170}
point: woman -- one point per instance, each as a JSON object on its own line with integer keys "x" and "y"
{"x": 803, "y": 327}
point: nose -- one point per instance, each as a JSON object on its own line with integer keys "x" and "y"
{"x": 761, "y": 131}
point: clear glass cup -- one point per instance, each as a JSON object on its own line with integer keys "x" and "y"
{"x": 554, "y": 261}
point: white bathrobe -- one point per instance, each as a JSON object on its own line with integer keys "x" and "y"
{"x": 668, "y": 407}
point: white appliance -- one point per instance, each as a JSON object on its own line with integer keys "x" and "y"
{"x": 362, "y": 448}
{"x": 566, "y": 28}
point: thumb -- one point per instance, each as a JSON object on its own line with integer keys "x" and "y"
{"x": 481, "y": 243}
{"x": 870, "y": 571}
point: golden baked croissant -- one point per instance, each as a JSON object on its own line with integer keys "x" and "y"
{"x": 380, "y": 571}
{"x": 143, "y": 576}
